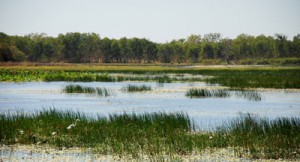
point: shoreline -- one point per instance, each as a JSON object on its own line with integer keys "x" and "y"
{"x": 19, "y": 152}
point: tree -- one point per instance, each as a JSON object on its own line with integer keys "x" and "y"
{"x": 282, "y": 45}
{"x": 149, "y": 51}
{"x": 193, "y": 39}
{"x": 105, "y": 48}
{"x": 164, "y": 53}
{"x": 135, "y": 48}
{"x": 242, "y": 46}
{"x": 124, "y": 52}
{"x": 115, "y": 51}
{"x": 8, "y": 52}
{"x": 212, "y": 37}
{"x": 296, "y": 46}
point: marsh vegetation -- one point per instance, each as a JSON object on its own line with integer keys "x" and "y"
{"x": 136, "y": 88}
{"x": 236, "y": 77}
{"x": 222, "y": 93}
{"x": 155, "y": 134}
{"x": 75, "y": 88}
{"x": 152, "y": 134}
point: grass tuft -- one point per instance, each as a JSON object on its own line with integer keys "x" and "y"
{"x": 89, "y": 90}
{"x": 196, "y": 93}
{"x": 136, "y": 88}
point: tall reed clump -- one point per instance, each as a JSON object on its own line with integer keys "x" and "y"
{"x": 89, "y": 90}
{"x": 249, "y": 95}
{"x": 151, "y": 134}
{"x": 262, "y": 138}
{"x": 203, "y": 93}
{"x": 136, "y": 88}
{"x": 196, "y": 93}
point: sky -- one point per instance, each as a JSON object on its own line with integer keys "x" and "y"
{"x": 156, "y": 20}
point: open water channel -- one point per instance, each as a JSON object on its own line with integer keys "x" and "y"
{"x": 208, "y": 113}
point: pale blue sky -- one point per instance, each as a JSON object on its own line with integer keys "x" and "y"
{"x": 157, "y": 20}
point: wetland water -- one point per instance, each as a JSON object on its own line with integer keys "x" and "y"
{"x": 206, "y": 112}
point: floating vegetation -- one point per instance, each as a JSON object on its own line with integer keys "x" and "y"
{"x": 198, "y": 93}
{"x": 136, "y": 88}
{"x": 89, "y": 90}
{"x": 152, "y": 134}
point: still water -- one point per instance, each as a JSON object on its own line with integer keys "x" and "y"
{"x": 208, "y": 113}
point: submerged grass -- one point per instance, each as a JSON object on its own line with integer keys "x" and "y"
{"x": 85, "y": 89}
{"x": 152, "y": 134}
{"x": 136, "y": 88}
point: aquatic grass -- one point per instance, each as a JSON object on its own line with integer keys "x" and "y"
{"x": 121, "y": 134}
{"x": 78, "y": 89}
{"x": 163, "y": 79}
{"x": 152, "y": 134}
{"x": 196, "y": 93}
{"x": 281, "y": 77}
{"x": 136, "y": 88}
{"x": 250, "y": 95}
{"x": 262, "y": 138}
{"x": 89, "y": 90}
{"x": 104, "y": 91}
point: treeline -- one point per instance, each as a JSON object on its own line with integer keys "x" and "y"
{"x": 90, "y": 48}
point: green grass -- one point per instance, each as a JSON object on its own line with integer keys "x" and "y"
{"x": 152, "y": 134}
{"x": 281, "y": 77}
{"x": 85, "y": 89}
{"x": 240, "y": 93}
{"x": 249, "y": 95}
{"x": 201, "y": 93}
{"x": 262, "y": 138}
{"x": 136, "y": 88}
{"x": 125, "y": 134}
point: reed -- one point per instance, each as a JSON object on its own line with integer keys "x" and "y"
{"x": 262, "y": 138}
{"x": 152, "y": 134}
{"x": 196, "y": 93}
{"x": 89, "y": 90}
{"x": 136, "y": 88}
{"x": 249, "y": 95}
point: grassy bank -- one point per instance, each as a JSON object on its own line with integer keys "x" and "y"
{"x": 153, "y": 134}
{"x": 230, "y": 76}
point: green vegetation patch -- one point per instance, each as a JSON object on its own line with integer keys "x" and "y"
{"x": 136, "y": 88}
{"x": 240, "y": 93}
{"x": 263, "y": 138}
{"x": 194, "y": 92}
{"x": 89, "y": 90}
{"x": 152, "y": 134}
{"x": 234, "y": 77}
